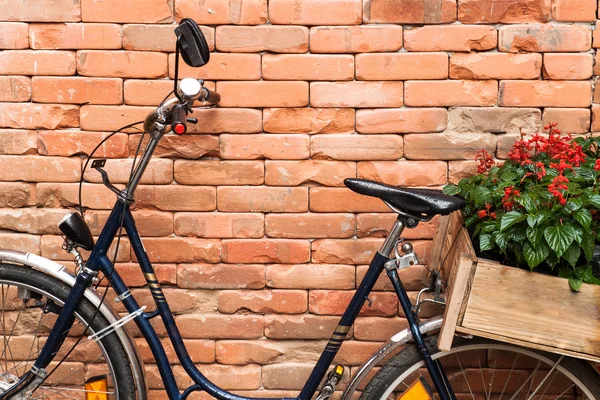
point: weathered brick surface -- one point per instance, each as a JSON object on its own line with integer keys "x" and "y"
{"x": 258, "y": 244}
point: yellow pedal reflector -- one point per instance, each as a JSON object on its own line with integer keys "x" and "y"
{"x": 339, "y": 370}
{"x": 419, "y": 390}
{"x": 96, "y": 388}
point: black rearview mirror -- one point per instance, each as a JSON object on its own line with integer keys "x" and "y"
{"x": 191, "y": 43}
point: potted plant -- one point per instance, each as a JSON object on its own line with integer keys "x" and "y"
{"x": 539, "y": 209}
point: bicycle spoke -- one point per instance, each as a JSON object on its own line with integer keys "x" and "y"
{"x": 465, "y": 376}
{"x": 546, "y": 377}
{"x": 527, "y": 381}
{"x": 509, "y": 375}
{"x": 483, "y": 378}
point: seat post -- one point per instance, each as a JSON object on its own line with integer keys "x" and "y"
{"x": 392, "y": 238}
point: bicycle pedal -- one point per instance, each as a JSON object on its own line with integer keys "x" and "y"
{"x": 333, "y": 379}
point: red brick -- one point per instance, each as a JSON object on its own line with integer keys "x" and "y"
{"x": 263, "y": 302}
{"x": 416, "y": 277}
{"x": 308, "y": 226}
{"x": 37, "y": 62}
{"x": 176, "y": 198}
{"x": 409, "y": 11}
{"x": 275, "y": 146}
{"x": 545, "y": 93}
{"x": 310, "y": 67}
{"x": 405, "y": 173}
{"x": 495, "y": 66}
{"x": 310, "y": 276}
{"x": 220, "y": 225}
{"x": 378, "y": 225}
{"x": 121, "y": 64}
{"x": 227, "y": 120}
{"x": 146, "y": 92}
{"x": 17, "y": 194}
{"x": 32, "y": 220}
{"x": 503, "y": 11}
{"x": 107, "y": 118}
{"x": 309, "y": 172}
{"x": 158, "y": 37}
{"x": 286, "y": 376}
{"x": 181, "y": 301}
{"x": 355, "y": 39}
{"x": 77, "y": 90}
{"x": 401, "y": 120}
{"x": 20, "y": 242}
{"x": 572, "y": 120}
{"x": 18, "y": 141}
{"x": 142, "y": 11}
{"x": 308, "y": 120}
{"x": 222, "y": 66}
{"x": 67, "y": 195}
{"x": 263, "y": 94}
{"x": 343, "y": 200}
{"x": 69, "y": 143}
{"x": 447, "y": 146}
{"x": 451, "y": 38}
{"x": 568, "y": 66}
{"x": 220, "y": 276}
{"x": 43, "y": 10}
{"x": 458, "y": 170}
{"x": 354, "y": 352}
{"x": 188, "y": 146}
{"x": 220, "y": 12}
{"x": 544, "y": 38}
{"x": 595, "y": 118}
{"x": 254, "y": 39}
{"x": 214, "y": 326}
{"x": 262, "y": 199}
{"x": 493, "y": 119}
{"x": 345, "y": 251}
{"x": 356, "y": 94}
{"x": 266, "y": 351}
{"x": 333, "y": 302}
{"x": 39, "y": 169}
{"x": 266, "y": 251}
{"x": 451, "y": 93}
{"x": 300, "y": 326}
{"x": 38, "y": 116}
{"x": 158, "y": 172}
{"x": 356, "y": 147}
{"x": 574, "y": 11}
{"x": 596, "y": 35}
{"x": 15, "y": 35}
{"x": 201, "y": 351}
{"x": 75, "y": 36}
{"x": 50, "y": 247}
{"x": 378, "y": 329}
{"x": 315, "y": 12}
{"x": 183, "y": 250}
{"x": 148, "y": 222}
{"x": 209, "y": 172}
{"x": 15, "y": 88}
{"x": 401, "y": 66}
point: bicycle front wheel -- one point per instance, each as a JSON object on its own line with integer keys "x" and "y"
{"x": 30, "y": 302}
{"x": 481, "y": 369}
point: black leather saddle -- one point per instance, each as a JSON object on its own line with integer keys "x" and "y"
{"x": 420, "y": 203}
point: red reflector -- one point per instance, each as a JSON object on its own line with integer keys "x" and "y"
{"x": 179, "y": 129}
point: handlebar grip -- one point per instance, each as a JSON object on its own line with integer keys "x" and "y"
{"x": 211, "y": 96}
{"x": 178, "y": 119}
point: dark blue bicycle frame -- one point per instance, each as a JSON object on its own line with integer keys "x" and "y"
{"x": 99, "y": 261}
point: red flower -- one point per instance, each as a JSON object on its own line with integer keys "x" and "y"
{"x": 597, "y": 167}
{"x": 486, "y": 162}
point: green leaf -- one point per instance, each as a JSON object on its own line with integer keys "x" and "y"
{"x": 488, "y": 227}
{"x": 572, "y": 254}
{"x": 527, "y": 201}
{"x": 588, "y": 243}
{"x": 451, "y": 190}
{"x": 586, "y": 173}
{"x": 501, "y": 239}
{"x": 575, "y": 284}
{"x": 584, "y": 217}
{"x": 485, "y": 242}
{"x": 586, "y": 274}
{"x": 518, "y": 234}
{"x": 534, "y": 235}
{"x": 508, "y": 176}
{"x": 536, "y": 219}
{"x": 534, "y": 255}
{"x": 511, "y": 218}
{"x": 595, "y": 200}
{"x": 559, "y": 238}
{"x": 481, "y": 195}
{"x": 573, "y": 205}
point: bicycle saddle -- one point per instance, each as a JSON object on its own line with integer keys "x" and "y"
{"x": 415, "y": 202}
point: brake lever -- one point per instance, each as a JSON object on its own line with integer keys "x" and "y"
{"x": 192, "y": 120}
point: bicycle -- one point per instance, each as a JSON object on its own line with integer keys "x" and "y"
{"x": 71, "y": 313}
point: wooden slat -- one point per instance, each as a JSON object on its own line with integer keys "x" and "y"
{"x": 458, "y": 294}
{"x": 533, "y": 310}
{"x": 438, "y": 242}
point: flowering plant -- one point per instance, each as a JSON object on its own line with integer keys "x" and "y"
{"x": 539, "y": 208}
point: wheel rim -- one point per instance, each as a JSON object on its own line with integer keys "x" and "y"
{"x": 526, "y": 376}
{"x": 24, "y": 328}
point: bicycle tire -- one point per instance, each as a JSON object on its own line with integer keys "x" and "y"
{"x": 111, "y": 347}
{"x": 405, "y": 362}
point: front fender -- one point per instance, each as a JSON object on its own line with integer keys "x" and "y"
{"x": 59, "y": 272}
{"x": 400, "y": 338}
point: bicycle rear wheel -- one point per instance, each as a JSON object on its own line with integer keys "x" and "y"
{"x": 30, "y": 302}
{"x": 483, "y": 370}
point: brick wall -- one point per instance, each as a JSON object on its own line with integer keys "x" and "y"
{"x": 246, "y": 218}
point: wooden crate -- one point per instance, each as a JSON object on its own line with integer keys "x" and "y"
{"x": 487, "y": 299}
